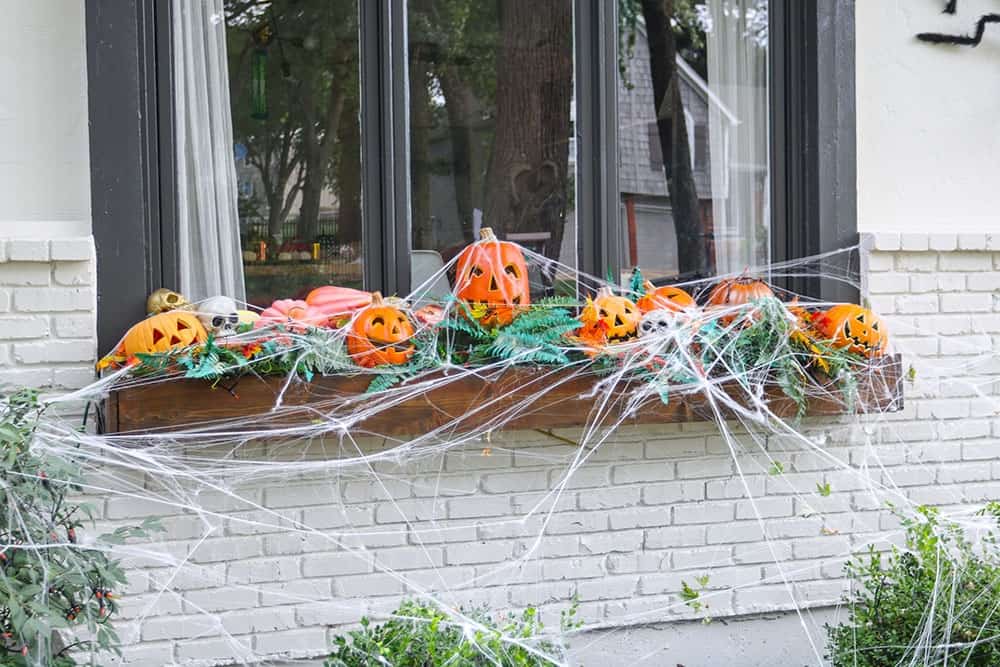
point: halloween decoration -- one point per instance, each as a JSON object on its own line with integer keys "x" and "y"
{"x": 219, "y": 315}
{"x": 656, "y": 323}
{"x": 162, "y": 332}
{"x": 739, "y": 291}
{"x": 609, "y": 317}
{"x": 164, "y": 300}
{"x": 858, "y": 329}
{"x": 247, "y": 317}
{"x": 380, "y": 335}
{"x": 429, "y": 315}
{"x": 297, "y": 315}
{"x": 492, "y": 277}
{"x": 337, "y": 303}
{"x": 666, "y": 297}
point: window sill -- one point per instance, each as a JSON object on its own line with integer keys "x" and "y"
{"x": 543, "y": 399}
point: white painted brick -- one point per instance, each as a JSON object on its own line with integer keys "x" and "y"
{"x": 943, "y": 242}
{"x": 25, "y": 273}
{"x": 938, "y": 282}
{"x": 78, "y": 249}
{"x": 703, "y": 558}
{"x": 640, "y": 517}
{"x": 762, "y": 552}
{"x": 26, "y": 377}
{"x": 584, "y": 477}
{"x": 178, "y": 627}
{"x": 257, "y": 571}
{"x": 966, "y": 303}
{"x": 365, "y": 585}
{"x": 53, "y": 299}
{"x": 966, "y": 261}
{"x": 618, "y": 541}
{"x": 708, "y": 512}
{"x": 608, "y": 588}
{"x": 222, "y": 649}
{"x": 919, "y": 262}
{"x": 885, "y": 241}
{"x": 673, "y": 492}
{"x": 740, "y": 531}
{"x": 965, "y": 345}
{"x": 913, "y": 242}
{"x": 74, "y": 326}
{"x": 330, "y": 612}
{"x": 478, "y": 552}
{"x": 514, "y": 482}
{"x": 893, "y": 283}
{"x": 674, "y": 536}
{"x": 880, "y": 261}
{"x": 73, "y": 273}
{"x": 23, "y": 327}
{"x": 917, "y": 303}
{"x": 767, "y": 507}
{"x": 54, "y": 352}
{"x": 819, "y": 547}
{"x": 705, "y": 467}
{"x": 972, "y": 242}
{"x": 409, "y": 558}
{"x": 954, "y": 473}
{"x": 984, "y": 282}
{"x": 657, "y": 448}
{"x": 227, "y": 549}
{"x": 654, "y": 471}
{"x": 294, "y": 643}
{"x": 735, "y": 488}
{"x": 475, "y": 507}
{"x": 603, "y": 499}
{"x": 28, "y": 250}
{"x": 401, "y": 511}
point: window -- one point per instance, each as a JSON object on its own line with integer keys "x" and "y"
{"x": 452, "y": 114}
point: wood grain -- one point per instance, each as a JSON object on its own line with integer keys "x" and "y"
{"x": 517, "y": 398}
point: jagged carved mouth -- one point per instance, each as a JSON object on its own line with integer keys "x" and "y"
{"x": 401, "y": 348}
{"x": 858, "y": 341}
{"x": 618, "y": 338}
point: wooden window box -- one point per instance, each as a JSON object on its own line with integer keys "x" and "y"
{"x": 518, "y": 398}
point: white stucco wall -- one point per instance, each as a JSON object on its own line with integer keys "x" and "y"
{"x": 928, "y": 119}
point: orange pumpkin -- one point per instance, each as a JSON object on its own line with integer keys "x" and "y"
{"x": 667, "y": 297}
{"x": 380, "y": 335}
{"x": 609, "y": 318}
{"x": 858, "y": 329}
{"x": 734, "y": 292}
{"x": 159, "y": 333}
{"x": 492, "y": 277}
{"x": 338, "y": 303}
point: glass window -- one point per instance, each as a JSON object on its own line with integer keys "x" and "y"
{"x": 491, "y": 125}
{"x": 294, "y": 94}
{"x": 693, "y": 136}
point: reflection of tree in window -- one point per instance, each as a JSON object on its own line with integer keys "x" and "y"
{"x": 490, "y": 87}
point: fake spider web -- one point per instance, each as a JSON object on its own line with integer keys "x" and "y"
{"x": 364, "y": 520}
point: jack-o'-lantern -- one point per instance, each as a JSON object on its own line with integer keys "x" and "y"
{"x": 339, "y": 303}
{"x": 492, "y": 277}
{"x": 858, "y": 329}
{"x": 666, "y": 297}
{"x": 609, "y": 317}
{"x": 380, "y": 334}
{"x": 159, "y": 333}
{"x": 164, "y": 300}
{"x": 734, "y": 292}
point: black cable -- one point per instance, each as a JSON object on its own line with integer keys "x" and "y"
{"x": 961, "y": 40}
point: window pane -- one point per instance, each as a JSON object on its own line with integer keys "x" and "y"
{"x": 491, "y": 96}
{"x": 693, "y": 136}
{"x": 293, "y": 70}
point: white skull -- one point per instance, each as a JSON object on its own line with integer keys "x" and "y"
{"x": 218, "y": 315}
{"x": 656, "y": 323}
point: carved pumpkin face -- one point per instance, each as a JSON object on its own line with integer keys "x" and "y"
{"x": 613, "y": 316}
{"x": 492, "y": 277}
{"x": 159, "y": 333}
{"x": 380, "y": 335}
{"x": 667, "y": 297}
{"x": 737, "y": 292}
{"x": 858, "y": 329}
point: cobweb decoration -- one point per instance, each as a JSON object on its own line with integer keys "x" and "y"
{"x": 296, "y": 520}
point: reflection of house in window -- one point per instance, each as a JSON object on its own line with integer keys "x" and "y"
{"x": 647, "y": 228}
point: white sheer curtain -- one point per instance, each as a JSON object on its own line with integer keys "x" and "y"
{"x": 208, "y": 220}
{"x": 736, "y": 32}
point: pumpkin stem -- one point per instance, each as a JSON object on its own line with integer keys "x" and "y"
{"x": 649, "y": 285}
{"x": 376, "y": 298}
{"x": 486, "y": 234}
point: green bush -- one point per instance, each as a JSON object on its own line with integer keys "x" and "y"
{"x": 48, "y": 582}
{"x": 934, "y": 602}
{"x": 422, "y": 635}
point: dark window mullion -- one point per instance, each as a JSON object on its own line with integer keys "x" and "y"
{"x": 384, "y": 160}
{"x": 597, "y": 193}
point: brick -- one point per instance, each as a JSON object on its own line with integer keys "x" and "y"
{"x": 226, "y": 549}
{"x": 819, "y": 547}
{"x": 705, "y": 467}
{"x": 972, "y": 242}
{"x": 336, "y": 564}
{"x": 28, "y": 250}
{"x": 656, "y": 471}
{"x": 984, "y": 282}
{"x": 616, "y": 542}
{"x": 23, "y": 327}
{"x": 257, "y": 571}
{"x": 75, "y": 326}
{"x": 913, "y": 242}
{"x": 582, "y": 478}
{"x": 767, "y": 507}
{"x": 917, "y": 303}
{"x": 73, "y": 273}
{"x": 296, "y": 495}
{"x": 885, "y": 241}
{"x": 918, "y": 262}
{"x": 409, "y": 558}
{"x": 709, "y": 512}
{"x": 178, "y": 627}
{"x": 735, "y": 488}
{"x": 53, "y": 299}
{"x": 674, "y": 536}
{"x": 228, "y": 649}
{"x": 879, "y": 262}
{"x": 476, "y": 507}
{"x": 515, "y": 482}
{"x": 741, "y": 531}
{"x": 368, "y": 585}
{"x": 703, "y": 558}
{"x": 938, "y": 282}
{"x": 602, "y": 499}
{"x": 673, "y": 492}
{"x": 966, "y": 261}
{"x": 54, "y": 352}
{"x": 308, "y": 642}
{"x": 608, "y": 588}
{"x": 658, "y": 448}
{"x": 893, "y": 283}
{"x": 966, "y": 303}
{"x": 943, "y": 242}
{"x": 964, "y": 472}
{"x": 24, "y": 273}
{"x": 640, "y": 517}
{"x": 478, "y": 552}
{"x": 71, "y": 250}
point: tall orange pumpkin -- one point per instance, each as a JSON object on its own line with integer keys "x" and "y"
{"x": 739, "y": 291}
{"x": 858, "y": 329}
{"x": 163, "y": 332}
{"x": 380, "y": 334}
{"x": 492, "y": 277}
{"x": 608, "y": 318}
{"x": 666, "y": 297}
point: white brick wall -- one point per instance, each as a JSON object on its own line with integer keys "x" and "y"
{"x": 47, "y": 313}
{"x": 651, "y": 508}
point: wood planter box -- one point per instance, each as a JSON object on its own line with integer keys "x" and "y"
{"x": 519, "y": 398}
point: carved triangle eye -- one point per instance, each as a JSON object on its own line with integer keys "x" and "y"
{"x": 157, "y": 336}
{"x": 182, "y": 325}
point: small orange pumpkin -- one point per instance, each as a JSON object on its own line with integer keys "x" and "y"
{"x": 159, "y": 333}
{"x": 609, "y": 318}
{"x": 739, "y": 291}
{"x": 858, "y": 329}
{"x": 492, "y": 277}
{"x": 380, "y": 335}
{"x": 666, "y": 297}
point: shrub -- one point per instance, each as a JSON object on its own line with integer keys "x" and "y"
{"x": 934, "y": 602}
{"x": 421, "y": 635}
{"x": 48, "y": 582}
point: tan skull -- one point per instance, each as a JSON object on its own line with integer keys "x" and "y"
{"x": 164, "y": 300}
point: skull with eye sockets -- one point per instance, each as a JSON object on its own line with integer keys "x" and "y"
{"x": 219, "y": 315}
{"x": 656, "y": 323}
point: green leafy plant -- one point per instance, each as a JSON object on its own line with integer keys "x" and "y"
{"x": 420, "y": 634}
{"x": 932, "y": 602}
{"x": 48, "y": 581}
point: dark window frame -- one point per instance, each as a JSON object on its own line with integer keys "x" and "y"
{"x": 813, "y": 171}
